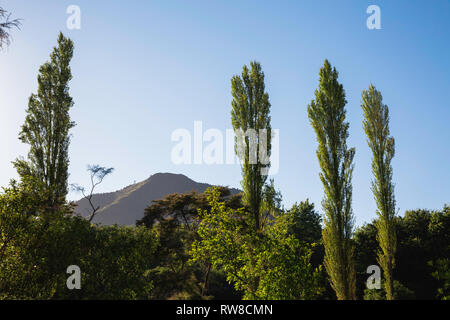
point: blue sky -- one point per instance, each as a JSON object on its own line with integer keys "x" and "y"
{"x": 143, "y": 69}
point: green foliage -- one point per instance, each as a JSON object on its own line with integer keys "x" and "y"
{"x": 117, "y": 266}
{"x": 47, "y": 125}
{"x": 422, "y": 241}
{"x": 269, "y": 265}
{"x": 173, "y": 218}
{"x": 366, "y": 249}
{"x": 305, "y": 225}
{"x": 172, "y": 275}
{"x": 37, "y": 246}
{"x": 270, "y": 204}
{"x": 400, "y": 292}
{"x": 223, "y": 241}
{"x": 183, "y": 208}
{"x": 327, "y": 117}
{"x": 376, "y": 127}
{"x": 283, "y": 262}
{"x": 442, "y": 274}
{"x": 306, "y": 222}
{"x": 251, "y": 111}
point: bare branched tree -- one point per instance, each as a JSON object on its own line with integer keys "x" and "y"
{"x": 97, "y": 174}
{"x": 6, "y": 24}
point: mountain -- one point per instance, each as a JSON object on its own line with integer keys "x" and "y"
{"x": 125, "y": 206}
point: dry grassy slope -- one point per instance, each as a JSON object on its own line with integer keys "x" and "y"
{"x": 125, "y": 206}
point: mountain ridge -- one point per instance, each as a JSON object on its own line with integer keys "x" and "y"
{"x": 127, "y": 205}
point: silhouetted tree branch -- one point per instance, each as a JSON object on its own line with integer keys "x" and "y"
{"x": 97, "y": 174}
{"x": 5, "y": 25}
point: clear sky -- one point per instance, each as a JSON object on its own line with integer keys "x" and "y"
{"x": 143, "y": 69}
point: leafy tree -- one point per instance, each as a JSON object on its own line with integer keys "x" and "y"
{"x": 283, "y": 267}
{"x": 422, "y": 237}
{"x": 306, "y": 226}
{"x": 250, "y": 117}
{"x": 5, "y": 26}
{"x": 183, "y": 208}
{"x": 19, "y": 204}
{"x": 118, "y": 264}
{"x": 306, "y": 222}
{"x": 376, "y": 126}
{"x": 172, "y": 275}
{"x": 327, "y": 117}
{"x": 47, "y": 125}
{"x": 414, "y": 251}
{"x": 173, "y": 218}
{"x": 269, "y": 265}
{"x": 422, "y": 241}
{"x": 36, "y": 249}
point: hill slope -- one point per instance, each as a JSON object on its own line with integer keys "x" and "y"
{"x": 125, "y": 206}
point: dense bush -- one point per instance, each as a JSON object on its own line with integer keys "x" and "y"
{"x": 423, "y": 245}
{"x": 36, "y": 249}
{"x": 272, "y": 264}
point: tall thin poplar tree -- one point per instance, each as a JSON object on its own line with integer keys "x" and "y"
{"x": 250, "y": 115}
{"x": 327, "y": 117}
{"x": 376, "y": 126}
{"x": 47, "y": 125}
